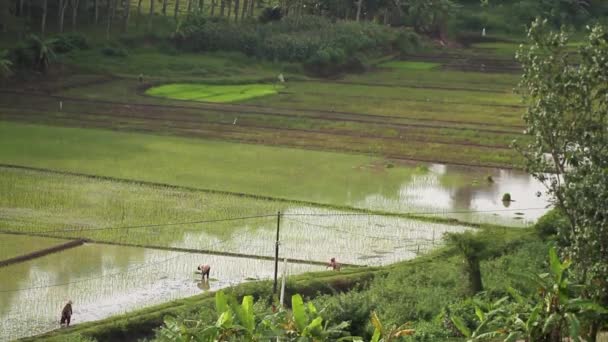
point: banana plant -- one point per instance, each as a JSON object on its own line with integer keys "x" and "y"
{"x": 382, "y": 334}
{"x": 556, "y": 311}
{"x": 306, "y": 323}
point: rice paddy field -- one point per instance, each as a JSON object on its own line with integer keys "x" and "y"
{"x": 108, "y": 280}
{"x": 193, "y": 165}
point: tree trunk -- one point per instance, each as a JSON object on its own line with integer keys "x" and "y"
{"x": 75, "y": 4}
{"x": 212, "y": 8}
{"x": 236, "y": 10}
{"x": 151, "y": 14}
{"x": 44, "y": 12}
{"x": 96, "y": 4}
{"x": 127, "y": 14}
{"x": 251, "y": 4}
{"x": 359, "y": 3}
{"x": 138, "y": 13}
{"x": 229, "y": 8}
{"x": 21, "y": 2}
{"x": 475, "y": 275}
{"x": 164, "y": 7}
{"x": 386, "y": 16}
{"x": 244, "y": 9}
{"x": 189, "y": 6}
{"x": 64, "y": 5}
{"x": 222, "y": 7}
{"x": 111, "y": 5}
{"x": 176, "y": 13}
{"x": 201, "y": 6}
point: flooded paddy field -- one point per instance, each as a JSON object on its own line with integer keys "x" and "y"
{"x": 335, "y": 179}
{"x": 55, "y": 205}
{"x": 16, "y": 245}
{"x": 106, "y": 280}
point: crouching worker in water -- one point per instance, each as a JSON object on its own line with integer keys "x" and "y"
{"x": 334, "y": 265}
{"x": 66, "y": 314}
{"x": 205, "y": 270}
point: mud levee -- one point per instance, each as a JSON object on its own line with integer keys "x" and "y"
{"x": 42, "y": 252}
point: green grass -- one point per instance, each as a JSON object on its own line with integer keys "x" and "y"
{"x": 410, "y": 65}
{"x": 213, "y": 93}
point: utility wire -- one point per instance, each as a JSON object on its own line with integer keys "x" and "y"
{"x": 111, "y": 274}
{"x": 392, "y": 238}
{"x": 153, "y": 225}
{"x": 414, "y": 212}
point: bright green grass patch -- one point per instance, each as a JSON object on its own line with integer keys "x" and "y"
{"x": 410, "y": 65}
{"x": 213, "y": 93}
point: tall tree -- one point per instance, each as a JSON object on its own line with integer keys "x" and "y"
{"x": 212, "y": 12}
{"x": 229, "y": 3}
{"x": 176, "y": 14}
{"x": 222, "y": 7}
{"x": 138, "y": 12}
{"x": 63, "y": 4}
{"x": 164, "y": 9}
{"x": 473, "y": 250}
{"x": 359, "y": 4}
{"x": 75, "y": 4}
{"x": 110, "y": 9}
{"x": 567, "y": 124}
{"x": 236, "y": 10}
{"x": 189, "y": 6}
{"x": 127, "y": 14}
{"x": 151, "y": 14}
{"x": 201, "y": 6}
{"x": 96, "y": 11}
{"x": 45, "y": 7}
{"x": 245, "y": 9}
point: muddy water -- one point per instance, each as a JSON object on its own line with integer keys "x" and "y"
{"x": 314, "y": 234}
{"x": 15, "y": 245}
{"x": 107, "y": 280}
{"x": 464, "y": 193}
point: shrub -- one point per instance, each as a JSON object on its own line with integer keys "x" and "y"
{"x": 407, "y": 41}
{"x": 70, "y": 41}
{"x": 322, "y": 46}
{"x": 551, "y": 223}
{"x": 114, "y": 51}
{"x": 506, "y": 197}
{"x": 428, "y": 331}
{"x": 271, "y": 14}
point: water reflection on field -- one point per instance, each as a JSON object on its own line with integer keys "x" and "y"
{"x": 468, "y": 194}
{"x": 107, "y": 280}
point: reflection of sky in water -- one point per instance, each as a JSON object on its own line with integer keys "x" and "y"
{"x": 448, "y": 191}
{"x": 102, "y": 284}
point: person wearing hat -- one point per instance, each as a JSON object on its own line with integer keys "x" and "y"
{"x": 66, "y": 314}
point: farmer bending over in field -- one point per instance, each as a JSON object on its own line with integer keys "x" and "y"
{"x": 66, "y": 314}
{"x": 334, "y": 265}
{"x": 205, "y": 269}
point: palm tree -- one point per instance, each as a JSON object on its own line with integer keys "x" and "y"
{"x": 5, "y": 65}
{"x": 43, "y": 52}
{"x": 473, "y": 250}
